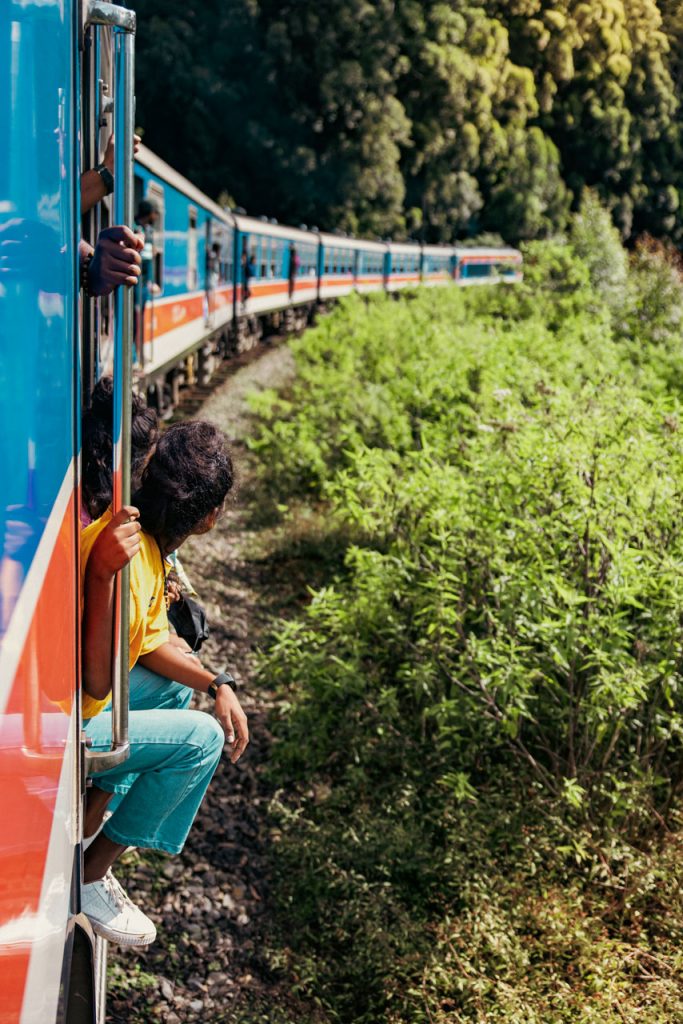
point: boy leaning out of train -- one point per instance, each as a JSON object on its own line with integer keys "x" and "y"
{"x": 174, "y": 751}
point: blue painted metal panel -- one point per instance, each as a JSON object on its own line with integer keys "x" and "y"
{"x": 38, "y": 273}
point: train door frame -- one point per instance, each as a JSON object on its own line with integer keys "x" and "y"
{"x": 106, "y": 30}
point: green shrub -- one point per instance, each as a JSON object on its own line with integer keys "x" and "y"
{"x": 485, "y": 707}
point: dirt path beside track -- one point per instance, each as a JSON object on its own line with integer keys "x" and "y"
{"x": 211, "y": 903}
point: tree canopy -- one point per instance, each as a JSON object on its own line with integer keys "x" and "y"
{"x": 423, "y": 118}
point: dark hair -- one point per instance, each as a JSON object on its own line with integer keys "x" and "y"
{"x": 96, "y": 456}
{"x": 146, "y": 207}
{"x": 187, "y": 478}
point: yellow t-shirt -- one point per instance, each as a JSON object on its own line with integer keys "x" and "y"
{"x": 148, "y": 618}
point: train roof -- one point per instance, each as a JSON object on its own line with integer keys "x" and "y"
{"x": 166, "y": 173}
{"x": 253, "y": 225}
{"x": 438, "y": 250}
{"x": 488, "y": 252}
{"x": 342, "y": 242}
{"x": 407, "y": 247}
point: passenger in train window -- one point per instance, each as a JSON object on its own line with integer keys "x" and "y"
{"x": 96, "y": 448}
{"x": 213, "y": 266}
{"x": 146, "y": 220}
{"x": 294, "y": 263}
{"x": 114, "y": 261}
{"x": 173, "y": 751}
{"x": 248, "y": 266}
{"x": 99, "y": 181}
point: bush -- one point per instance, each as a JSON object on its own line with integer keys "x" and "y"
{"x": 485, "y": 706}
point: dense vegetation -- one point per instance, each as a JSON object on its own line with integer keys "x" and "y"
{"x": 481, "y": 757}
{"x": 441, "y": 119}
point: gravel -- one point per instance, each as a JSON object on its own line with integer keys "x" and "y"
{"x": 211, "y": 904}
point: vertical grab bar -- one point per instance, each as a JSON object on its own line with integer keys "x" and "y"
{"x": 123, "y": 22}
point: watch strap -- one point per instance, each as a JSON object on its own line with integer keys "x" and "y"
{"x": 222, "y": 679}
{"x": 107, "y": 177}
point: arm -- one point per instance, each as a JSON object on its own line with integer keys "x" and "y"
{"x": 93, "y": 188}
{"x": 114, "y": 261}
{"x": 116, "y": 545}
{"x": 171, "y": 661}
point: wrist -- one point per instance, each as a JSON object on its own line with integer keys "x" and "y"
{"x": 107, "y": 178}
{"x": 222, "y": 681}
{"x": 100, "y": 574}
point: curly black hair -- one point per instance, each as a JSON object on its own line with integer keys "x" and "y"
{"x": 96, "y": 451}
{"x": 187, "y": 478}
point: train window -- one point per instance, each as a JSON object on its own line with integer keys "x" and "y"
{"x": 263, "y": 257}
{"x": 155, "y": 193}
{"x": 192, "y": 247}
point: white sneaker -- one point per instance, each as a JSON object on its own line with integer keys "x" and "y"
{"x": 113, "y": 915}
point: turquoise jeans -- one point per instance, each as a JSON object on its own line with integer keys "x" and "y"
{"x": 173, "y": 755}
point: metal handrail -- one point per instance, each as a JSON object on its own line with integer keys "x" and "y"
{"x": 98, "y": 12}
{"x": 124, "y": 127}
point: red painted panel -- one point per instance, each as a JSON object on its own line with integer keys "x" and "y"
{"x": 33, "y": 736}
{"x": 164, "y": 316}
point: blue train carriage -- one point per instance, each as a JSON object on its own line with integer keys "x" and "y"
{"x": 480, "y": 265}
{"x": 350, "y": 264}
{"x": 336, "y": 266}
{"x": 43, "y": 935}
{"x": 438, "y": 264}
{"x": 404, "y": 265}
{"x": 184, "y": 305}
{"x": 276, "y": 281}
{"x": 39, "y": 723}
{"x": 371, "y": 266}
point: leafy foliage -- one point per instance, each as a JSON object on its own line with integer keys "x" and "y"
{"x": 486, "y": 702}
{"x": 442, "y": 119}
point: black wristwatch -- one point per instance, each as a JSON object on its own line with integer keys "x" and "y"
{"x": 223, "y": 679}
{"x": 107, "y": 177}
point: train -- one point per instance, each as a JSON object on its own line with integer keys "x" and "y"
{"x": 218, "y": 279}
{"x": 197, "y": 306}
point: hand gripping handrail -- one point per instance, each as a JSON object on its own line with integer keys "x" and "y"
{"x": 123, "y": 22}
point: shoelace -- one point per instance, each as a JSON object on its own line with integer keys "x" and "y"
{"x": 116, "y": 891}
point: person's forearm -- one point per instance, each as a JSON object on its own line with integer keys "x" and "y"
{"x": 98, "y": 617}
{"x": 170, "y": 661}
{"x": 92, "y": 190}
